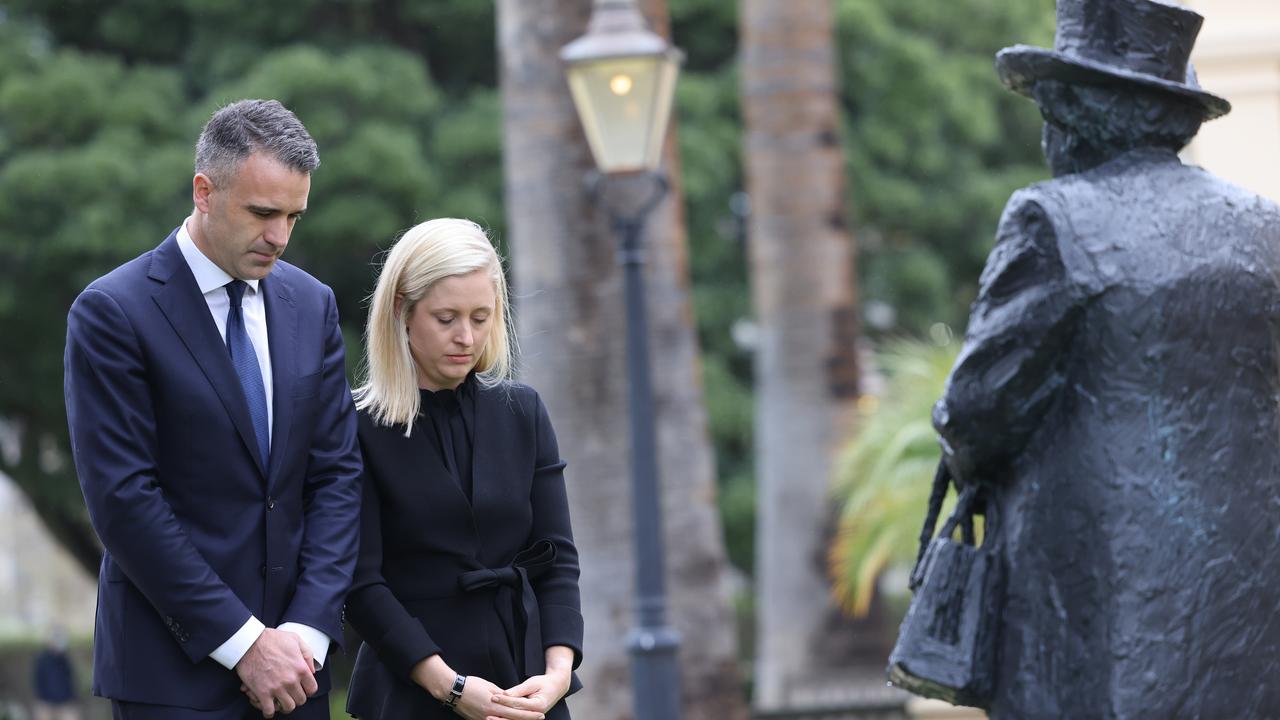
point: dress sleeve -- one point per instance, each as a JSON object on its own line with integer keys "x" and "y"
{"x": 1012, "y": 364}
{"x": 559, "y": 601}
{"x": 395, "y": 635}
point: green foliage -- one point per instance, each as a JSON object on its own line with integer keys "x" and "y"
{"x": 707, "y": 32}
{"x": 214, "y": 41}
{"x": 935, "y": 144}
{"x": 709, "y": 133}
{"x": 884, "y": 477}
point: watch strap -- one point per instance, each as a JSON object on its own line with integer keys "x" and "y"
{"x": 455, "y": 693}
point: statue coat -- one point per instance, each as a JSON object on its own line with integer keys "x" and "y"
{"x": 1119, "y": 392}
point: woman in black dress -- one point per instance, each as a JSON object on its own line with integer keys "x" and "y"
{"x": 466, "y": 587}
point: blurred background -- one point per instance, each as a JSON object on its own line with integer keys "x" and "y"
{"x": 837, "y": 166}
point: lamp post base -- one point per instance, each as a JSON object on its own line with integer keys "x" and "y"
{"x": 655, "y": 672}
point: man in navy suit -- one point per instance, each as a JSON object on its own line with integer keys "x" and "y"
{"x": 215, "y": 441}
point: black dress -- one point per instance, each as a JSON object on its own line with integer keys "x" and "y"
{"x": 466, "y": 550}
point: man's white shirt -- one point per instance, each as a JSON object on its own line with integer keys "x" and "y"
{"x": 212, "y": 281}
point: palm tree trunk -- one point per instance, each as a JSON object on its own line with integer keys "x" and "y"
{"x": 569, "y": 314}
{"x": 802, "y": 271}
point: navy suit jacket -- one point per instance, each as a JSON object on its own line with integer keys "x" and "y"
{"x": 199, "y": 532}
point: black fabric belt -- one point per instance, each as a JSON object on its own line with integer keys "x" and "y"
{"x": 528, "y": 565}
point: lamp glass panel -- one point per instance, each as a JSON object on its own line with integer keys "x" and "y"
{"x": 664, "y": 94}
{"x": 618, "y": 99}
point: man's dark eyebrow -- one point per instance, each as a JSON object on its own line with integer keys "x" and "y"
{"x": 270, "y": 210}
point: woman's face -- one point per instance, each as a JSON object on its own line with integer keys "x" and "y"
{"x": 449, "y": 327}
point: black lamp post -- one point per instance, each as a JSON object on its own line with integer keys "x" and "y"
{"x": 623, "y": 80}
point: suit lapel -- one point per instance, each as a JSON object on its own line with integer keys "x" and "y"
{"x": 180, "y": 301}
{"x": 282, "y": 333}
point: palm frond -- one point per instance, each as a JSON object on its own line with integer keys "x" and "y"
{"x": 884, "y": 475}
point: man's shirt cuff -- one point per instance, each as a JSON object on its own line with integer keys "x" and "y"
{"x": 317, "y": 641}
{"x": 230, "y": 652}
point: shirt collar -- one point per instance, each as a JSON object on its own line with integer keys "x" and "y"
{"x": 209, "y": 276}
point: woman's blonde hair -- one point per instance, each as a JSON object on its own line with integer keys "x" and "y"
{"x": 426, "y": 254}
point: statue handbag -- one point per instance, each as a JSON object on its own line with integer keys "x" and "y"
{"x": 946, "y": 647}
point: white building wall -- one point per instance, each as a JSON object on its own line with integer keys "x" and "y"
{"x": 40, "y": 585}
{"x": 1238, "y": 57}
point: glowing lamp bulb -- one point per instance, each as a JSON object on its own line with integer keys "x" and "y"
{"x": 620, "y": 84}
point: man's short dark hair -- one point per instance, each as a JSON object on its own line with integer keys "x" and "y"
{"x": 242, "y": 128}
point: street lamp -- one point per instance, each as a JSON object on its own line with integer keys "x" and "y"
{"x": 623, "y": 78}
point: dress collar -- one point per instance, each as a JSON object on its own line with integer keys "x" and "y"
{"x": 465, "y": 390}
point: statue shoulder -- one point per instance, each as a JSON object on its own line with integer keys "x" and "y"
{"x": 1043, "y": 220}
{"x": 1033, "y": 206}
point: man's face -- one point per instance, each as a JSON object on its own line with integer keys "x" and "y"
{"x": 244, "y": 225}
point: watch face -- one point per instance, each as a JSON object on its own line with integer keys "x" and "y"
{"x": 459, "y": 682}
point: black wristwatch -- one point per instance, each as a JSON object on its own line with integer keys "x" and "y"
{"x": 455, "y": 693}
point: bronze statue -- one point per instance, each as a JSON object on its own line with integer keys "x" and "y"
{"x": 1116, "y": 403}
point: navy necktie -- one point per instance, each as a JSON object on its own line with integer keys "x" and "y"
{"x": 245, "y": 361}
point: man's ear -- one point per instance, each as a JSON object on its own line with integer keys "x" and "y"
{"x": 201, "y": 189}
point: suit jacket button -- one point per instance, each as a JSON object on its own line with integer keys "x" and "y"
{"x": 271, "y": 503}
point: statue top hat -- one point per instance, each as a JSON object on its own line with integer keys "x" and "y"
{"x": 1116, "y": 42}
